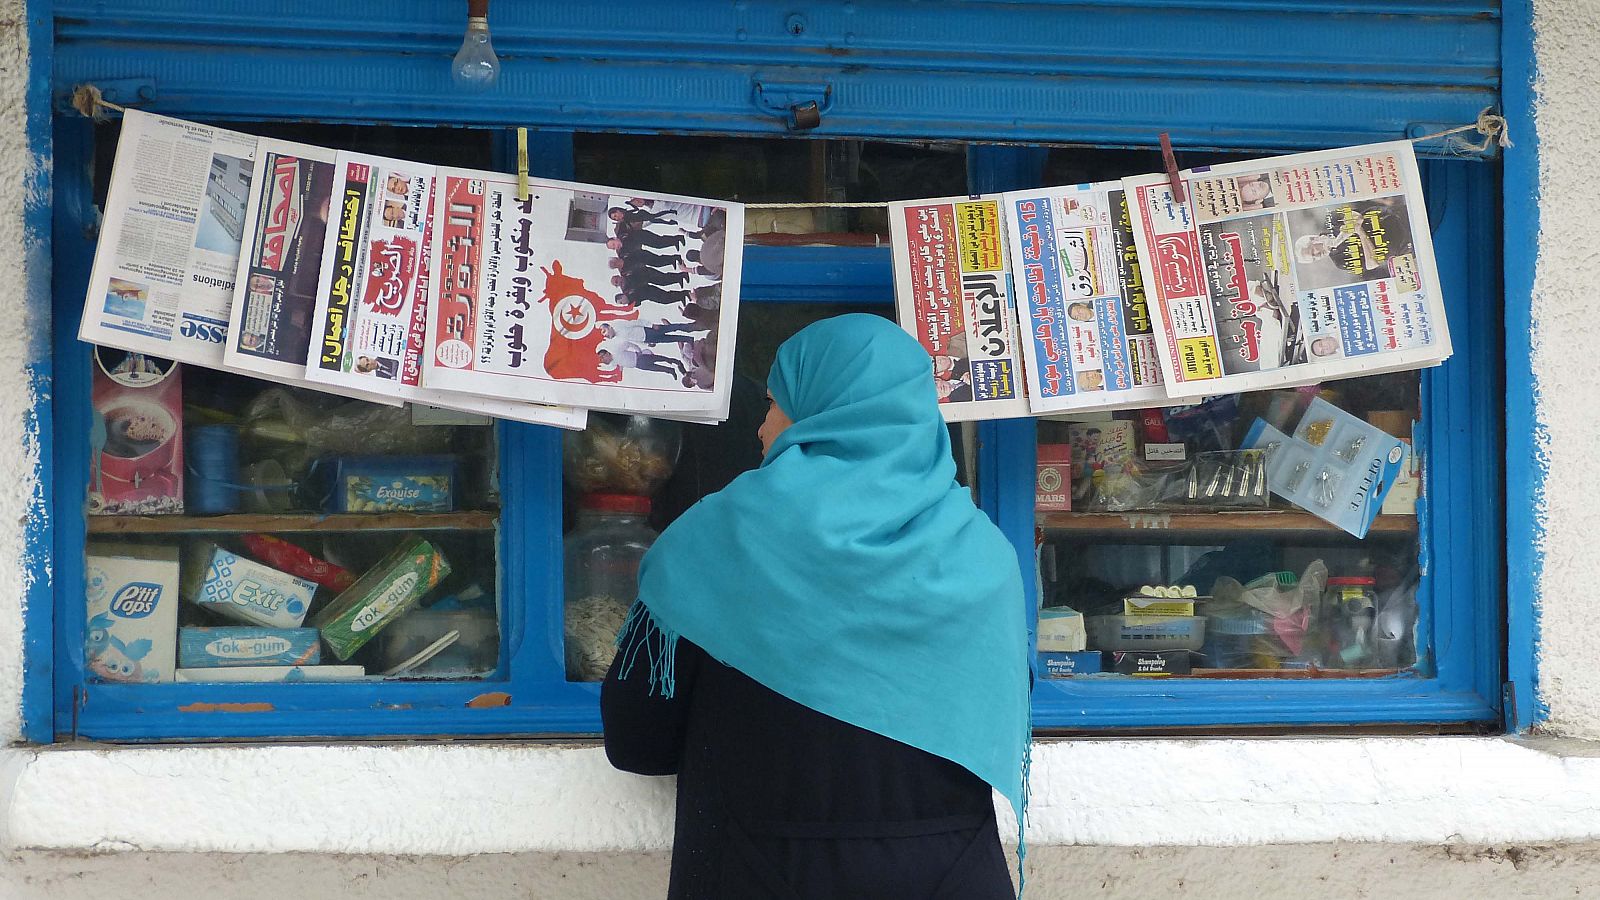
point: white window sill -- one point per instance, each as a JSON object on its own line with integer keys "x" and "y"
{"x": 460, "y": 799}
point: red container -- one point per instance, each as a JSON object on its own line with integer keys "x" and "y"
{"x": 1053, "y": 482}
{"x": 136, "y": 435}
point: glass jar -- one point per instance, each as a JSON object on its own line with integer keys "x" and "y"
{"x": 621, "y": 454}
{"x": 603, "y": 553}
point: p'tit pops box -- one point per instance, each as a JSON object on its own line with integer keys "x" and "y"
{"x": 132, "y": 595}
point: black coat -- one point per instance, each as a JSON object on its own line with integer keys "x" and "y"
{"x": 780, "y": 802}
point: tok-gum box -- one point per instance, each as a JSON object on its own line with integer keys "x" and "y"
{"x": 132, "y": 613}
{"x": 203, "y": 648}
{"x": 230, "y": 585}
{"x": 387, "y": 591}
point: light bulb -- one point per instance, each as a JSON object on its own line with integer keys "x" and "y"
{"x": 475, "y": 64}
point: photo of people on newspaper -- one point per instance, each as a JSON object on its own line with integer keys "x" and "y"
{"x": 581, "y": 295}
{"x": 1256, "y": 311}
{"x": 1348, "y": 243}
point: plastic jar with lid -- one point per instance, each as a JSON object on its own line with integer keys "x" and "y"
{"x": 602, "y": 556}
{"x": 1349, "y": 606}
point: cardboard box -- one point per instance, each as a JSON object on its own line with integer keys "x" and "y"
{"x": 203, "y": 648}
{"x": 1151, "y": 662}
{"x": 256, "y": 674}
{"x": 135, "y": 435}
{"x": 232, "y": 586}
{"x": 1402, "y": 497}
{"x": 132, "y": 612}
{"x": 1061, "y": 630}
{"x": 387, "y": 591}
{"x": 1066, "y": 665}
{"x": 1053, "y": 479}
{"x": 1156, "y": 606}
{"x": 395, "y": 484}
{"x": 1403, "y": 494}
{"x": 1108, "y": 447}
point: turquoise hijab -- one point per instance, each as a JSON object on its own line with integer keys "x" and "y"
{"x": 850, "y": 572}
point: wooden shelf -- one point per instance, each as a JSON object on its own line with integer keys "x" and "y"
{"x": 480, "y": 520}
{"x": 1265, "y": 522}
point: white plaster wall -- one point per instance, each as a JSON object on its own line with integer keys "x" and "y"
{"x": 19, "y": 455}
{"x": 1311, "y": 872}
{"x": 1566, "y": 331}
{"x": 1518, "y": 820}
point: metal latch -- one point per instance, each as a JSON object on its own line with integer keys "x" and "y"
{"x": 121, "y": 91}
{"x": 801, "y": 105}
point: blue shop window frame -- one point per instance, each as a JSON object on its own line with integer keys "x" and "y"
{"x": 1459, "y": 522}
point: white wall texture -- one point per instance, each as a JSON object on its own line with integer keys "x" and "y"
{"x": 1353, "y": 818}
{"x": 1564, "y": 291}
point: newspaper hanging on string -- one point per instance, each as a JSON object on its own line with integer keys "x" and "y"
{"x": 1090, "y": 340}
{"x": 1290, "y": 270}
{"x": 164, "y": 268}
{"x": 372, "y": 298}
{"x": 953, "y": 292}
{"x": 593, "y": 296}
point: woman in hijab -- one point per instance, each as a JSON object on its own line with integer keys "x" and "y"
{"x": 831, "y": 652}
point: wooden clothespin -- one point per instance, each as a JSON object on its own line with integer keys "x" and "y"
{"x": 1171, "y": 162}
{"x": 522, "y": 164}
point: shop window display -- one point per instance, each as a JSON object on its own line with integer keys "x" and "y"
{"x": 1162, "y": 549}
{"x": 1166, "y": 548}
{"x": 243, "y": 531}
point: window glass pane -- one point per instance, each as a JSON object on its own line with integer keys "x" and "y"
{"x": 772, "y": 170}
{"x": 1163, "y": 552}
{"x": 627, "y": 478}
{"x": 242, "y": 530}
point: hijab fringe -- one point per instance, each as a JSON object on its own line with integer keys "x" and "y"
{"x": 1027, "y": 791}
{"x": 658, "y": 643}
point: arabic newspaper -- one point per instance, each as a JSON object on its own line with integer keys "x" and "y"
{"x": 164, "y": 270}
{"x": 583, "y": 295}
{"x": 275, "y": 293}
{"x": 372, "y": 291}
{"x": 952, "y": 287}
{"x": 1291, "y": 270}
{"x": 1092, "y": 341}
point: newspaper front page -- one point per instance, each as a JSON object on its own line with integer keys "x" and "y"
{"x": 953, "y": 293}
{"x": 275, "y": 293}
{"x": 1291, "y": 270}
{"x": 372, "y": 295}
{"x": 164, "y": 269}
{"x": 592, "y": 296}
{"x": 1092, "y": 342}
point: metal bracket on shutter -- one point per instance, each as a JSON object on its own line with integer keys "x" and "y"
{"x": 121, "y": 91}
{"x": 800, "y": 105}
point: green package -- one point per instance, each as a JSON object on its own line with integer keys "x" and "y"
{"x": 386, "y": 592}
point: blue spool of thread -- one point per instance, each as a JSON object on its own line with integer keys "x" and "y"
{"x": 213, "y": 465}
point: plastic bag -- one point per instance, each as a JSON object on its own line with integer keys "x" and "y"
{"x": 1287, "y": 606}
{"x": 287, "y": 431}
